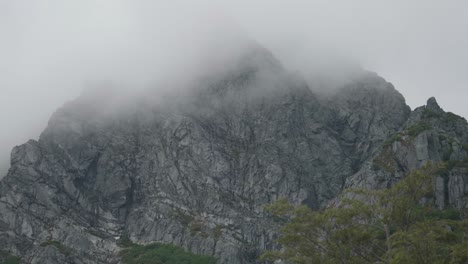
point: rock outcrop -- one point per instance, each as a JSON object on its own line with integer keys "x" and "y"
{"x": 197, "y": 170}
{"x": 429, "y": 135}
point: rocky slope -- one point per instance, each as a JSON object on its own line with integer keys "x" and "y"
{"x": 430, "y": 134}
{"x": 197, "y": 170}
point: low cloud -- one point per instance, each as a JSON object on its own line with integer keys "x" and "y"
{"x": 51, "y": 50}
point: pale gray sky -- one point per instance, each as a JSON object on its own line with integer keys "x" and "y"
{"x": 48, "y": 49}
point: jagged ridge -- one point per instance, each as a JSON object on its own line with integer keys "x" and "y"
{"x": 196, "y": 171}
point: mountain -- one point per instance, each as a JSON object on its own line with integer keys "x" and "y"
{"x": 195, "y": 169}
{"x": 429, "y": 135}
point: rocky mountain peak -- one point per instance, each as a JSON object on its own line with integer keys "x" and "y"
{"x": 259, "y": 57}
{"x": 197, "y": 172}
{"x": 429, "y": 135}
{"x": 433, "y": 105}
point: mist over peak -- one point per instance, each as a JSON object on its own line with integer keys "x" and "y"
{"x": 141, "y": 126}
{"x": 51, "y": 50}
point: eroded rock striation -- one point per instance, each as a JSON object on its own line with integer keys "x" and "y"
{"x": 197, "y": 170}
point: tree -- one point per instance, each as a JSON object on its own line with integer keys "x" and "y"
{"x": 395, "y": 225}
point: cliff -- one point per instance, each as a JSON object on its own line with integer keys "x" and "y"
{"x": 197, "y": 169}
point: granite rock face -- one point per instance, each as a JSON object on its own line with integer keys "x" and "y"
{"x": 429, "y": 135}
{"x": 197, "y": 170}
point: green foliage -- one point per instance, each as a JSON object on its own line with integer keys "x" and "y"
{"x": 447, "y": 153}
{"x": 125, "y": 242}
{"x": 417, "y": 129}
{"x": 394, "y": 138}
{"x": 424, "y": 242}
{"x": 7, "y": 258}
{"x": 183, "y": 217}
{"x": 280, "y": 208}
{"x": 195, "y": 227}
{"x": 447, "y": 214}
{"x": 157, "y": 253}
{"x": 447, "y": 117}
{"x": 451, "y": 117}
{"x": 447, "y": 166}
{"x": 385, "y": 160}
{"x": 465, "y": 147}
{"x": 431, "y": 114}
{"x": 443, "y": 137}
{"x": 375, "y": 226}
{"x": 61, "y": 248}
{"x": 218, "y": 231}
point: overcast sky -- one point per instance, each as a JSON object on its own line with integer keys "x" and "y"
{"x": 49, "y": 49}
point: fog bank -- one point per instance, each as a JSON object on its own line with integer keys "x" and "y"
{"x": 51, "y": 50}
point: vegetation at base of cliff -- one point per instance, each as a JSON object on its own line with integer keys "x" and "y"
{"x": 157, "y": 253}
{"x": 400, "y": 224}
{"x": 61, "y": 248}
{"x": 7, "y": 258}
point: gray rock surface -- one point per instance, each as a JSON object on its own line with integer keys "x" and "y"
{"x": 429, "y": 135}
{"x": 197, "y": 170}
